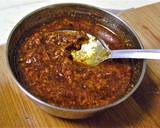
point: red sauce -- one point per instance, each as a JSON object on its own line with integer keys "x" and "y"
{"x": 50, "y": 73}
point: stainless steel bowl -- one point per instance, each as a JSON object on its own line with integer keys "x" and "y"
{"x": 86, "y": 12}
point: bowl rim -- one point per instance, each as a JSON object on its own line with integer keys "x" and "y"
{"x": 118, "y": 101}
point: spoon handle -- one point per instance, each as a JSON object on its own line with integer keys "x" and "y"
{"x": 136, "y": 53}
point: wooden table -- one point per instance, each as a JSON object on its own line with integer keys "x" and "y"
{"x": 141, "y": 110}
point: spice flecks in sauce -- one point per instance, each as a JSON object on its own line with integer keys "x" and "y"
{"x": 50, "y": 73}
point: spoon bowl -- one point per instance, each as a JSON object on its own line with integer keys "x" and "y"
{"x": 96, "y": 51}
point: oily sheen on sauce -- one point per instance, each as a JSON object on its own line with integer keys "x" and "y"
{"x": 47, "y": 67}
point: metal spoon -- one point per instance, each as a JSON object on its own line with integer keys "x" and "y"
{"x": 95, "y": 52}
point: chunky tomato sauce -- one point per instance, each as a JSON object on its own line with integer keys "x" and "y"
{"x": 50, "y": 73}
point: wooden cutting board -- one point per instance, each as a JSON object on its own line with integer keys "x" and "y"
{"x": 141, "y": 110}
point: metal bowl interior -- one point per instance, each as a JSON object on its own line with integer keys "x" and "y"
{"x": 53, "y": 12}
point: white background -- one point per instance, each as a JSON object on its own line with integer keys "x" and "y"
{"x": 11, "y": 11}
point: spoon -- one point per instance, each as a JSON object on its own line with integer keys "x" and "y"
{"x": 95, "y": 52}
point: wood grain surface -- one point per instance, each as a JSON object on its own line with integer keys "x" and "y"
{"x": 141, "y": 110}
